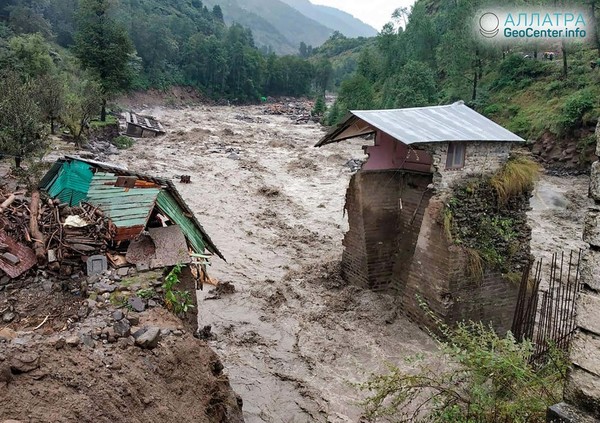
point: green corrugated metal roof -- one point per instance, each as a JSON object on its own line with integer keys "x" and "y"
{"x": 168, "y": 205}
{"x": 125, "y": 207}
{"x": 71, "y": 180}
{"x": 70, "y": 183}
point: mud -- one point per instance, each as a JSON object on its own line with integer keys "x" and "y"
{"x": 294, "y": 339}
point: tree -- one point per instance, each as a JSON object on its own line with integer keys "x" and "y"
{"x": 320, "y": 108}
{"x": 104, "y": 48}
{"x": 21, "y": 128}
{"x": 413, "y": 86}
{"x": 81, "y": 105}
{"x": 218, "y": 13}
{"x": 51, "y": 97}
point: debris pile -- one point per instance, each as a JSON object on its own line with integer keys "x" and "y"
{"x": 63, "y": 237}
{"x": 299, "y": 112}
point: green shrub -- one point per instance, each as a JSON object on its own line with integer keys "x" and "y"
{"x": 572, "y": 112}
{"x": 485, "y": 378}
{"x": 123, "y": 142}
{"x": 516, "y": 71}
{"x": 179, "y": 302}
{"x": 492, "y": 109}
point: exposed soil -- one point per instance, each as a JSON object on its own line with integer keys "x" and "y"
{"x": 62, "y": 368}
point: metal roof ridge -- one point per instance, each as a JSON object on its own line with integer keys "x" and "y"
{"x": 440, "y": 106}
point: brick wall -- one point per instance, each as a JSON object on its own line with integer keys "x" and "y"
{"x": 383, "y": 224}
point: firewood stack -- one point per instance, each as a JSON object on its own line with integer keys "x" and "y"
{"x": 69, "y": 235}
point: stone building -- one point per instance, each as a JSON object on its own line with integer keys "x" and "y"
{"x": 396, "y": 239}
{"x": 582, "y": 393}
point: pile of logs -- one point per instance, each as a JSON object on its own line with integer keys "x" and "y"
{"x": 299, "y": 112}
{"x": 47, "y": 228}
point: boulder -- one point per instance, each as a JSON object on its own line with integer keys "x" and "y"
{"x": 149, "y": 338}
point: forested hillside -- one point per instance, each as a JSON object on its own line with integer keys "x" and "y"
{"x": 436, "y": 61}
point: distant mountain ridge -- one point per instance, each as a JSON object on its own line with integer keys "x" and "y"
{"x": 284, "y": 24}
{"x": 333, "y": 18}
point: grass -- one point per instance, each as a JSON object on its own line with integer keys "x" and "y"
{"x": 475, "y": 264}
{"x": 123, "y": 142}
{"x": 516, "y": 177}
{"x": 110, "y": 121}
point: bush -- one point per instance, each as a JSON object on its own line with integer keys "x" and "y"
{"x": 487, "y": 379}
{"x": 123, "y": 142}
{"x": 576, "y": 106}
{"x": 518, "y": 72}
{"x": 516, "y": 177}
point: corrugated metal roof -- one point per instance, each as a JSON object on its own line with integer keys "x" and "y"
{"x": 168, "y": 205}
{"x": 70, "y": 183}
{"x": 454, "y": 122}
{"x": 126, "y": 207}
{"x": 117, "y": 202}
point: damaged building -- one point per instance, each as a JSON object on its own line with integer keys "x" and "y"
{"x": 149, "y": 224}
{"x": 398, "y": 239}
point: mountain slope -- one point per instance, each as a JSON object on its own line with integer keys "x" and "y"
{"x": 274, "y": 23}
{"x": 333, "y": 18}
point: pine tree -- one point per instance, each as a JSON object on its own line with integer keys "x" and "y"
{"x": 104, "y": 48}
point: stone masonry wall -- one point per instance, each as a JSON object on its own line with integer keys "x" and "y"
{"x": 583, "y": 389}
{"x": 385, "y": 209}
{"x": 437, "y": 274}
{"x": 480, "y": 158}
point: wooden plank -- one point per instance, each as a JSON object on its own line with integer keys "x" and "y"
{"x": 134, "y": 118}
{"x": 148, "y": 124}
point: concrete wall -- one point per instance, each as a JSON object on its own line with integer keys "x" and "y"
{"x": 583, "y": 388}
{"x": 480, "y": 157}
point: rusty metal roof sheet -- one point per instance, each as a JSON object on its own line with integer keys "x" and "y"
{"x": 25, "y": 255}
{"x": 453, "y": 122}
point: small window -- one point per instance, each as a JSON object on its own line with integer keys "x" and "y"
{"x": 456, "y": 155}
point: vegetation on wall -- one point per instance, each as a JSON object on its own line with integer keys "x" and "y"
{"x": 486, "y": 216}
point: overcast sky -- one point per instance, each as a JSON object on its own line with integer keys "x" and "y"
{"x": 374, "y": 12}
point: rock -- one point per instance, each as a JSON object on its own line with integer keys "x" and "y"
{"x": 152, "y": 303}
{"x": 591, "y": 228}
{"x": 103, "y": 288}
{"x": 123, "y": 271}
{"x": 4, "y": 280}
{"x": 8, "y": 317}
{"x": 149, "y": 339}
{"x": 234, "y": 156}
{"x": 7, "y": 334}
{"x": 83, "y": 311}
{"x": 124, "y": 343}
{"x": 5, "y": 374}
{"x": 137, "y": 304}
{"x": 87, "y": 340}
{"x": 24, "y": 363}
{"x": 48, "y": 286}
{"x": 177, "y": 332}
{"x": 117, "y": 315}
{"x": 122, "y": 328}
{"x": 91, "y": 280}
{"x": 133, "y": 319}
{"x": 73, "y": 341}
{"x": 60, "y": 343}
{"x": 595, "y": 181}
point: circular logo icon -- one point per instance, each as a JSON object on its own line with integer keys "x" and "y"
{"x": 489, "y": 25}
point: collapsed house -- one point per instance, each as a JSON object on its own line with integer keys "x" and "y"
{"x": 149, "y": 224}
{"x": 142, "y": 126}
{"x": 395, "y": 204}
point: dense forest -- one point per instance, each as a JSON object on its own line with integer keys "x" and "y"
{"x": 436, "y": 60}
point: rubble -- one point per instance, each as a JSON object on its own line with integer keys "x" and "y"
{"x": 298, "y": 111}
